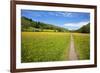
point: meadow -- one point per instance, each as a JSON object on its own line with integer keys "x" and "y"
{"x": 53, "y": 46}
{"x": 44, "y": 46}
{"x": 82, "y": 45}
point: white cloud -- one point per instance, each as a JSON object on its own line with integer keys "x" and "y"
{"x": 75, "y": 26}
{"x": 65, "y": 14}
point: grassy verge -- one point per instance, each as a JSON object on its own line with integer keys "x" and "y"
{"x": 82, "y": 45}
{"x": 44, "y": 46}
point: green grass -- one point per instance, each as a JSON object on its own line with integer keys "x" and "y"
{"x": 48, "y": 30}
{"x": 82, "y": 45}
{"x": 44, "y": 46}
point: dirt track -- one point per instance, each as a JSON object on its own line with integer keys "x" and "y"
{"x": 72, "y": 52}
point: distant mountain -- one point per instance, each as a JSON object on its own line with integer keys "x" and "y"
{"x": 84, "y": 29}
{"x": 31, "y": 25}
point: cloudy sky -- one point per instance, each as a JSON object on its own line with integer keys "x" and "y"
{"x": 69, "y": 20}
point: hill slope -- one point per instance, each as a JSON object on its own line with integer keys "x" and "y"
{"x": 30, "y": 25}
{"x": 84, "y": 29}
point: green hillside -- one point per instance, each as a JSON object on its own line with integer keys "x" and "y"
{"x": 84, "y": 29}
{"x": 36, "y": 26}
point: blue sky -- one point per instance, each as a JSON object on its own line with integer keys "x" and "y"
{"x": 69, "y": 20}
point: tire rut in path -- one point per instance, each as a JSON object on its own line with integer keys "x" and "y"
{"x": 72, "y": 51}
